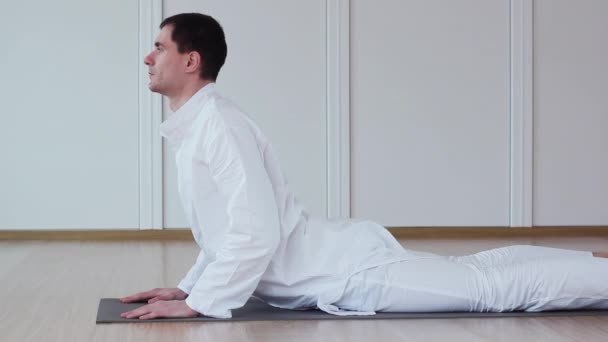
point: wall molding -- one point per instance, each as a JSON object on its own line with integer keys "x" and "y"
{"x": 150, "y": 117}
{"x": 338, "y": 108}
{"x": 521, "y": 173}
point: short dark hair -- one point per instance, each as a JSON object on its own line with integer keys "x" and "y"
{"x": 203, "y": 34}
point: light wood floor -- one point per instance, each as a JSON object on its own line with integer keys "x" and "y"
{"x": 50, "y": 291}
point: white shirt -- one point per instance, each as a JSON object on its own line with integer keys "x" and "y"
{"x": 255, "y": 237}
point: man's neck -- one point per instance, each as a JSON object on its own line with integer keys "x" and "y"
{"x": 175, "y": 102}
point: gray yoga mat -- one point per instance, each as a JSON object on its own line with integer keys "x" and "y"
{"x": 256, "y": 310}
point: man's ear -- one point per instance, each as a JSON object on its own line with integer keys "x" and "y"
{"x": 194, "y": 61}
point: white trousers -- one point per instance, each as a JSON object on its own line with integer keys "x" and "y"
{"x": 529, "y": 278}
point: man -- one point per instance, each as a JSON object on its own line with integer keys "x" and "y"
{"x": 256, "y": 239}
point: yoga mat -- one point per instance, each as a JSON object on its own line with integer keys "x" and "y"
{"x": 256, "y": 310}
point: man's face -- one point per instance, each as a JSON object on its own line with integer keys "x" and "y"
{"x": 165, "y": 64}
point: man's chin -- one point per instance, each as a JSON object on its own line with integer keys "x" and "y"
{"x": 153, "y": 88}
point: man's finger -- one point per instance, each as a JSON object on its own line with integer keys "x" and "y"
{"x": 138, "y": 296}
{"x": 138, "y": 312}
{"x": 153, "y": 300}
{"x": 151, "y": 315}
{"x": 128, "y": 314}
{"x": 131, "y": 298}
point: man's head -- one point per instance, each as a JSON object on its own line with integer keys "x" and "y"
{"x": 190, "y": 46}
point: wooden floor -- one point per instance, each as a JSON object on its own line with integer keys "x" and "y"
{"x": 50, "y": 291}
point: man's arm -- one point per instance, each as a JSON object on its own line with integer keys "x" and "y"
{"x": 253, "y": 233}
{"x": 193, "y": 274}
{"x": 251, "y": 237}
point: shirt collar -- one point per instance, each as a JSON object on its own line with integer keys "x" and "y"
{"x": 176, "y": 126}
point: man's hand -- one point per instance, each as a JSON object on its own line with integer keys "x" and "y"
{"x": 160, "y": 309}
{"x": 155, "y": 295}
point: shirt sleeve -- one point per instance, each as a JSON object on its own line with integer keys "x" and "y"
{"x": 194, "y": 273}
{"x": 253, "y": 232}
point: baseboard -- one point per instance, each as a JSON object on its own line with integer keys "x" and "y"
{"x": 496, "y": 232}
{"x": 98, "y": 235}
{"x": 398, "y": 232}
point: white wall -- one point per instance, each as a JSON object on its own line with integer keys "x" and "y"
{"x": 430, "y": 112}
{"x": 570, "y": 112}
{"x": 69, "y": 141}
{"x": 430, "y": 138}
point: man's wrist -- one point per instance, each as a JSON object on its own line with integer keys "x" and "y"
{"x": 183, "y": 290}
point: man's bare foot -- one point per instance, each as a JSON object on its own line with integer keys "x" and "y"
{"x": 600, "y": 254}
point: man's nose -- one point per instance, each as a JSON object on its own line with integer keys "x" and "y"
{"x": 148, "y": 59}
